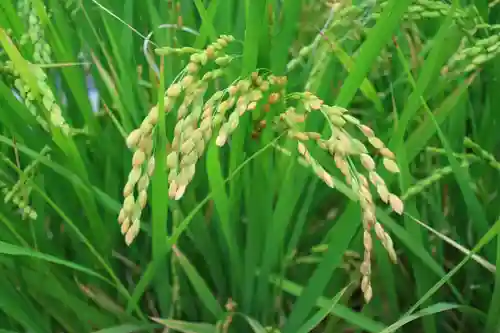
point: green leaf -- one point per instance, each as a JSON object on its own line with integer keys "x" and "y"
{"x": 428, "y": 311}
{"x": 199, "y": 285}
{"x": 127, "y": 328}
{"x": 14, "y": 250}
{"x": 321, "y": 314}
{"x": 187, "y": 327}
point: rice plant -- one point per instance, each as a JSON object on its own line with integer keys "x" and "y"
{"x": 223, "y": 166}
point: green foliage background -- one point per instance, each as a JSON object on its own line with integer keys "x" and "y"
{"x": 258, "y": 242}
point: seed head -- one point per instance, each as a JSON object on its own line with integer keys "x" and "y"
{"x": 243, "y": 85}
{"x": 367, "y": 131}
{"x": 187, "y": 81}
{"x": 396, "y": 204}
{"x": 132, "y": 232}
{"x": 151, "y": 166}
{"x": 192, "y": 68}
{"x": 222, "y": 42}
{"x": 143, "y": 183}
{"x": 367, "y": 291}
{"x": 252, "y": 106}
{"x": 316, "y": 104}
{"x": 337, "y": 121}
{"x": 172, "y": 160}
{"x": 187, "y": 147}
{"x": 387, "y": 153}
{"x": 174, "y": 90}
{"x": 367, "y": 162}
{"x": 121, "y": 216}
{"x": 133, "y": 138}
{"x": 128, "y": 204}
{"x": 146, "y": 144}
{"x": 180, "y": 192}
{"x": 221, "y": 139}
{"x": 138, "y": 158}
{"x": 134, "y": 175}
{"x": 367, "y": 240}
{"x": 125, "y": 226}
{"x": 210, "y": 52}
{"x": 172, "y": 189}
{"x": 390, "y": 165}
{"x": 273, "y": 98}
{"x": 142, "y": 199}
{"x": 128, "y": 189}
{"x": 383, "y": 192}
{"x": 153, "y": 114}
{"x": 326, "y": 177}
{"x": 376, "y": 142}
{"x": 223, "y": 61}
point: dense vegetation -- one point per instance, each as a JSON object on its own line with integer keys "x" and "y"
{"x": 249, "y": 166}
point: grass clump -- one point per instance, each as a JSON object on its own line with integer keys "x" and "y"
{"x": 197, "y": 121}
{"x": 284, "y": 166}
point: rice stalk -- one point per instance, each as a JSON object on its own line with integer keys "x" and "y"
{"x": 35, "y": 32}
{"x": 199, "y": 119}
{"x": 481, "y": 153}
{"x": 19, "y": 193}
{"x": 42, "y": 105}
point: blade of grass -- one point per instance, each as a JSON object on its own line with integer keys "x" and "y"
{"x": 493, "y": 319}
{"x": 350, "y": 316}
{"x": 200, "y": 286}
{"x": 13, "y": 250}
{"x": 481, "y": 261}
{"x": 428, "y": 311}
{"x": 187, "y": 327}
{"x": 255, "y": 325}
{"x": 127, "y": 328}
{"x": 160, "y": 203}
{"x": 221, "y": 202}
{"x": 284, "y": 35}
{"x": 319, "y": 316}
{"x": 207, "y": 30}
